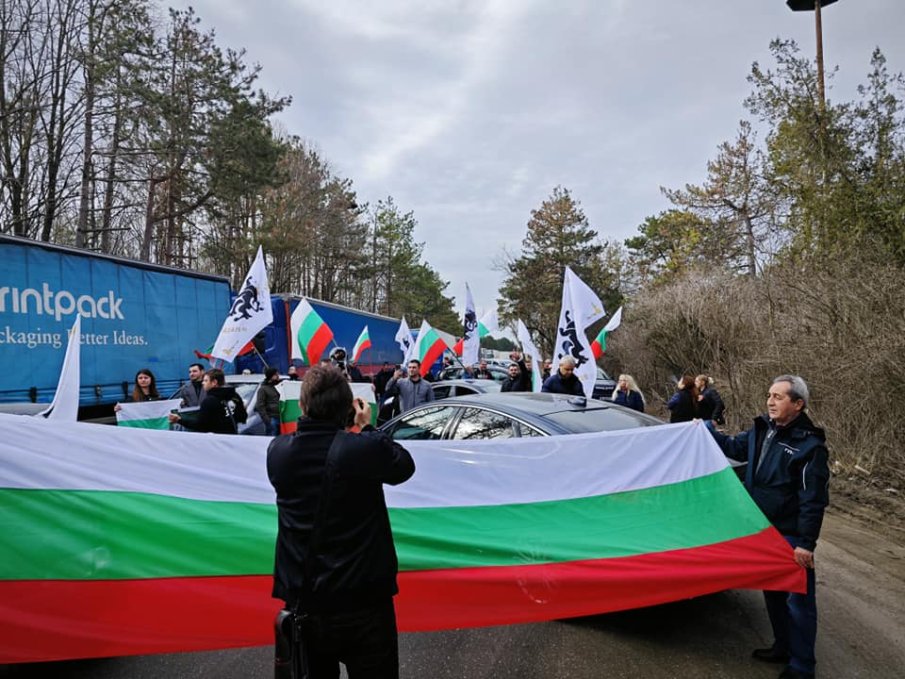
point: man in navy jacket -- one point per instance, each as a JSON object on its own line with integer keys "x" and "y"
{"x": 787, "y": 477}
{"x": 564, "y": 380}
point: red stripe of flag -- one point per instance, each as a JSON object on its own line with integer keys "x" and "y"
{"x": 53, "y": 620}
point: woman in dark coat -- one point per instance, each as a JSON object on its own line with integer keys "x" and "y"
{"x": 683, "y": 406}
{"x": 628, "y": 394}
{"x": 710, "y": 404}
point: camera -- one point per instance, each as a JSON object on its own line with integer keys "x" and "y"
{"x": 338, "y": 357}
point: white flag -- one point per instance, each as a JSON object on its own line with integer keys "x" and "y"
{"x": 580, "y": 308}
{"x": 249, "y": 314}
{"x": 404, "y": 340}
{"x": 614, "y": 322}
{"x": 585, "y": 302}
{"x": 471, "y": 340}
{"x": 489, "y": 324}
{"x": 65, "y": 405}
{"x": 528, "y": 349}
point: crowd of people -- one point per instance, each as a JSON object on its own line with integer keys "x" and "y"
{"x": 403, "y": 388}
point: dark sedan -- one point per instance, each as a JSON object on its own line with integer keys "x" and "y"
{"x": 508, "y": 415}
{"x": 497, "y": 372}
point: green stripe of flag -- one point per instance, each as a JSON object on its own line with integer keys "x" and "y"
{"x": 112, "y": 535}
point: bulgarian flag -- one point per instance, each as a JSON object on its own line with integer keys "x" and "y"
{"x": 100, "y": 561}
{"x": 290, "y": 410}
{"x": 310, "y": 335}
{"x": 429, "y": 346}
{"x": 598, "y": 346}
{"x": 487, "y": 325}
{"x": 363, "y": 342}
{"x": 147, "y": 414}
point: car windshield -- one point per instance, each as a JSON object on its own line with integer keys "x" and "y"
{"x": 601, "y": 374}
{"x": 600, "y": 419}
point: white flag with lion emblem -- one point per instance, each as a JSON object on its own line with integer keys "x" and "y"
{"x": 580, "y": 307}
{"x": 249, "y": 314}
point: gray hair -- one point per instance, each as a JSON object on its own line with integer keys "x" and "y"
{"x": 568, "y": 360}
{"x": 798, "y": 389}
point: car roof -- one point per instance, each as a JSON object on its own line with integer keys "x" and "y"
{"x": 538, "y": 404}
{"x": 249, "y": 378}
{"x": 489, "y": 385}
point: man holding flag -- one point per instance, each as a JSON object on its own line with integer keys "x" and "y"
{"x": 580, "y": 308}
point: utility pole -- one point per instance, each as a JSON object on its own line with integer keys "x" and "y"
{"x": 816, "y": 6}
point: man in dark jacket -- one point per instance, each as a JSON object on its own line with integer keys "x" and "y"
{"x": 380, "y": 380}
{"x": 221, "y": 409}
{"x": 564, "y": 381}
{"x": 267, "y": 403}
{"x": 350, "y": 581}
{"x": 191, "y": 393}
{"x": 519, "y": 377}
{"x": 788, "y": 477}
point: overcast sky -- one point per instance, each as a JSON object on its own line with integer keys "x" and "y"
{"x": 469, "y": 113}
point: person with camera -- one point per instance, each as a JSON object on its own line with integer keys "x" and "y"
{"x": 350, "y": 370}
{"x": 411, "y": 390}
{"x": 335, "y": 564}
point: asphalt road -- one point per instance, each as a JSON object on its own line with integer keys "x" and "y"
{"x": 861, "y": 600}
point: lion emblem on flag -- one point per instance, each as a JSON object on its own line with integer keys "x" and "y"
{"x": 246, "y": 303}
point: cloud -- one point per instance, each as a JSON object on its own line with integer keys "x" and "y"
{"x": 468, "y": 113}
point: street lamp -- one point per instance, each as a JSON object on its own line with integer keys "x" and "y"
{"x": 815, "y": 6}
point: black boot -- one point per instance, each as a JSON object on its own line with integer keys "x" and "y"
{"x": 770, "y": 655}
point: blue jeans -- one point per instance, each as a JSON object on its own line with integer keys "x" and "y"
{"x": 272, "y": 426}
{"x": 794, "y": 621}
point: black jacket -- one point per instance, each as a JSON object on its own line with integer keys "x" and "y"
{"x": 520, "y": 383}
{"x": 356, "y": 562}
{"x": 381, "y": 379}
{"x": 711, "y": 407}
{"x": 682, "y": 407}
{"x": 267, "y": 404}
{"x": 792, "y": 485}
{"x": 220, "y": 412}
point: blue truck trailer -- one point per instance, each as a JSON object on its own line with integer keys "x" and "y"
{"x": 134, "y": 315}
{"x": 346, "y": 324}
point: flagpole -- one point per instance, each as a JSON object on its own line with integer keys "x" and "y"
{"x": 261, "y": 356}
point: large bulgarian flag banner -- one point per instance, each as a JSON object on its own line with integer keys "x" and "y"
{"x": 310, "y": 334}
{"x": 123, "y": 541}
{"x": 147, "y": 414}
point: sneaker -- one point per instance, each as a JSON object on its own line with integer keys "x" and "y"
{"x": 770, "y": 655}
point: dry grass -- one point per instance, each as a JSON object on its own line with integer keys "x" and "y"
{"x": 840, "y": 325}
